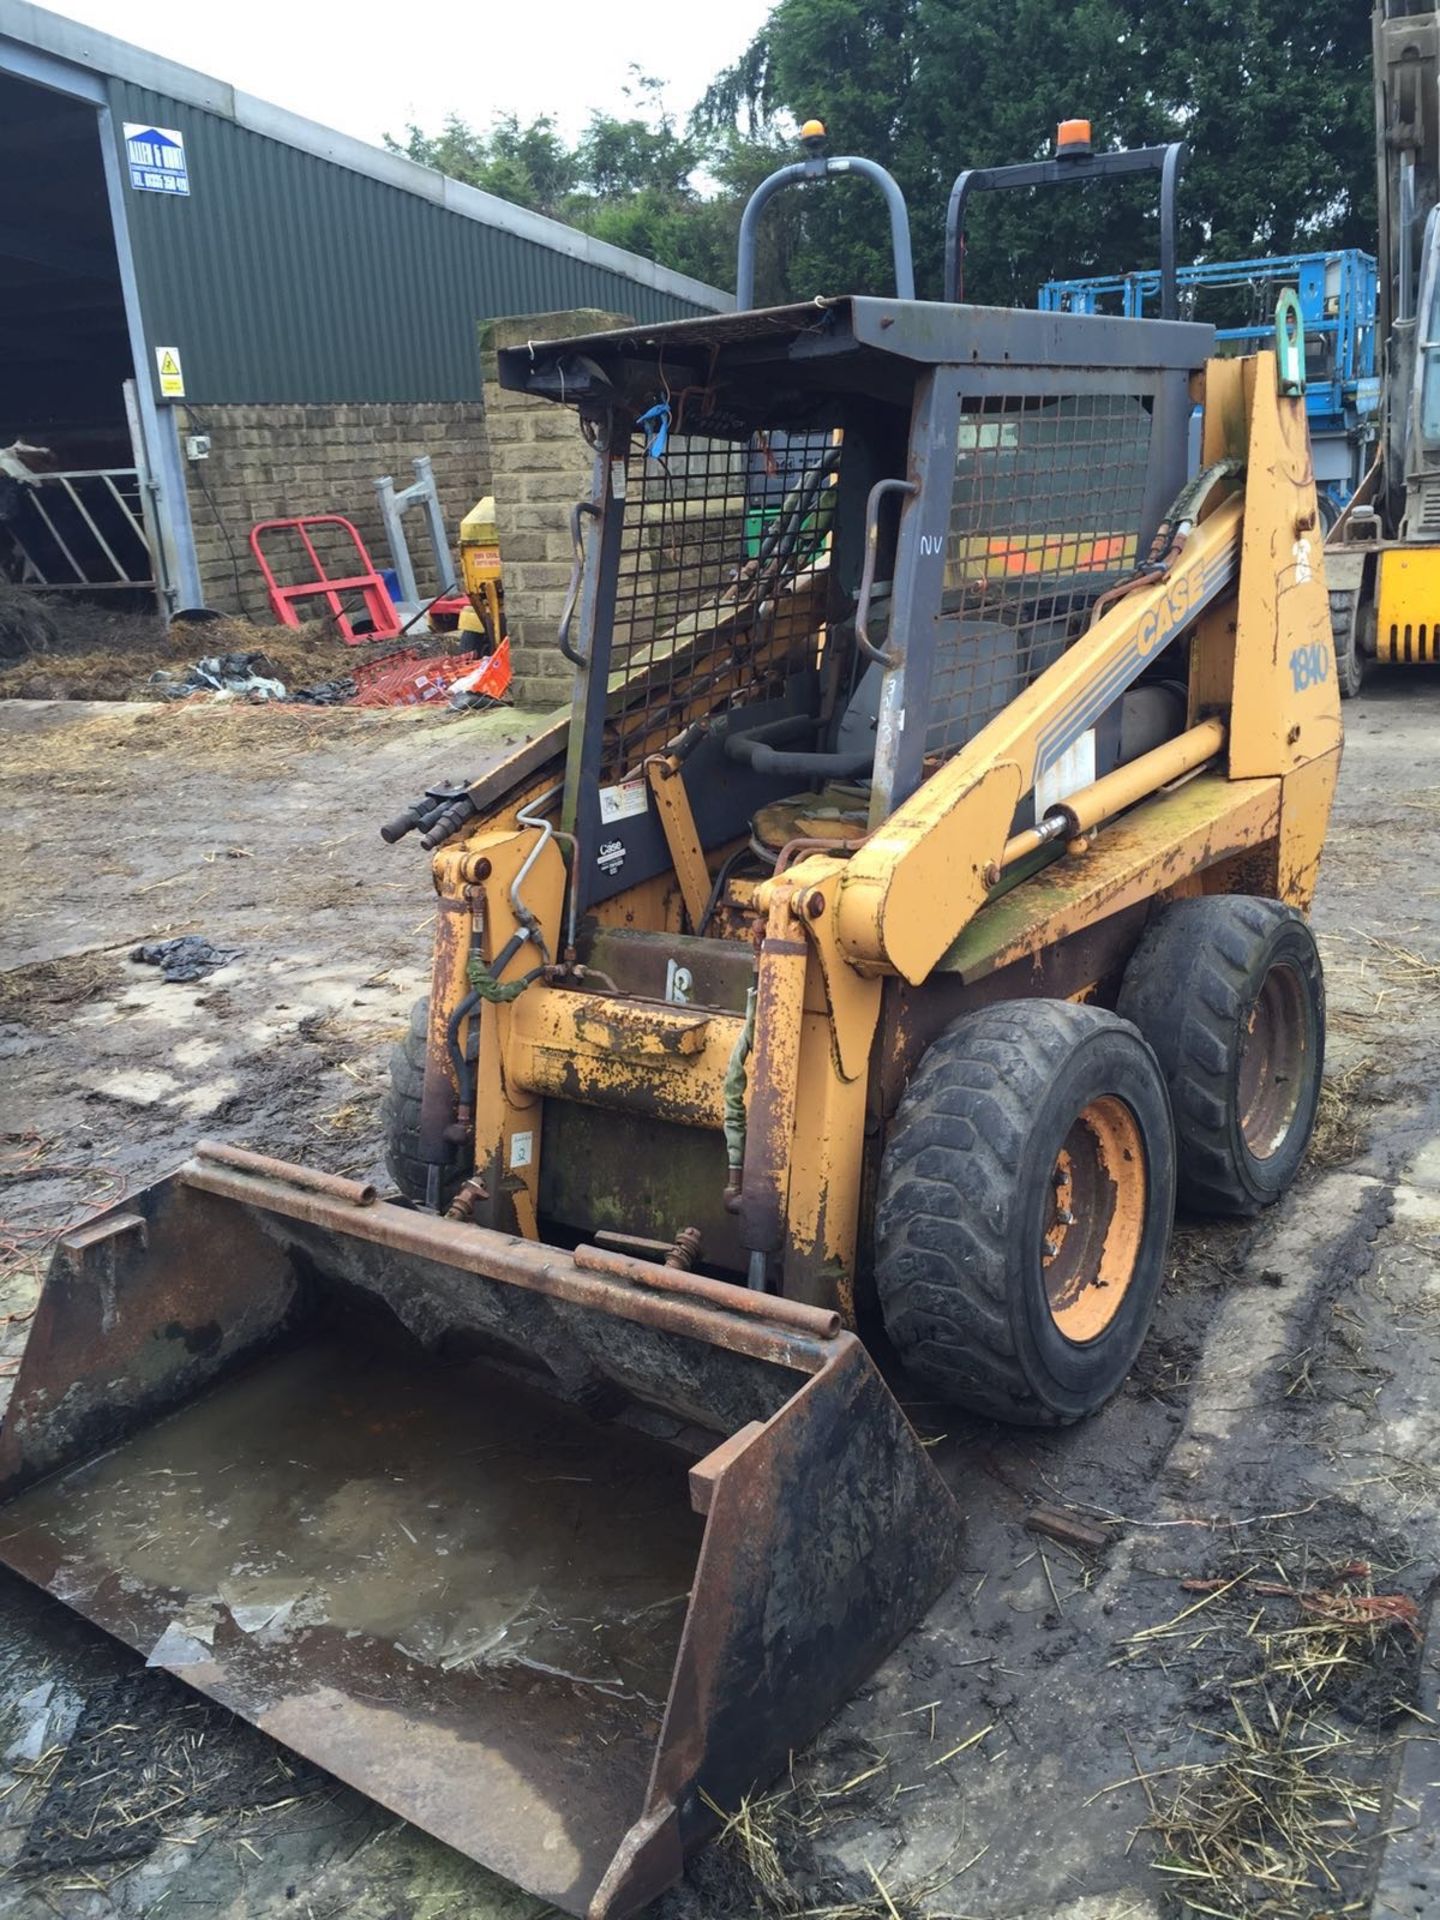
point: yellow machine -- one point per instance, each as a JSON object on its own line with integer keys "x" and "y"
{"x": 480, "y": 572}
{"x": 908, "y": 913}
{"x": 1383, "y": 554}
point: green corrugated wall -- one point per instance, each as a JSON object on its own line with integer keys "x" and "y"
{"x": 285, "y": 277}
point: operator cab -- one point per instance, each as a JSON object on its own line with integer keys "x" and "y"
{"x": 826, "y": 543}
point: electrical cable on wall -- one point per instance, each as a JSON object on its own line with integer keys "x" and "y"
{"x": 199, "y": 470}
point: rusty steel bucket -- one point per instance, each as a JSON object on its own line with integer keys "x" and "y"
{"x": 552, "y": 1552}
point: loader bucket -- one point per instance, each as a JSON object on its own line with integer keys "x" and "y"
{"x": 551, "y": 1552}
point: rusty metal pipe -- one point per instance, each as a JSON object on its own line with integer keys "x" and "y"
{"x": 718, "y": 1293}
{"x": 1136, "y": 780}
{"x": 309, "y": 1179}
{"x": 683, "y": 1251}
{"x": 793, "y": 849}
{"x": 530, "y": 1265}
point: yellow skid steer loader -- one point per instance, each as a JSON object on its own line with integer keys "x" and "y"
{"x": 909, "y": 912}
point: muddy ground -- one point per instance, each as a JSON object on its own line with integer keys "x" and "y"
{"x": 1075, "y": 1732}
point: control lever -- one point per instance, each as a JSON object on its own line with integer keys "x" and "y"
{"x": 426, "y": 812}
{"x": 447, "y": 823}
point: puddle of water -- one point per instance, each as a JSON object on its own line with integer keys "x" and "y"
{"x": 451, "y": 1591}
{"x": 455, "y": 1516}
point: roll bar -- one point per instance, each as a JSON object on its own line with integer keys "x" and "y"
{"x": 1063, "y": 170}
{"x": 817, "y": 166}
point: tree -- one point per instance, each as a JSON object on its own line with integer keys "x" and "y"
{"x": 530, "y": 166}
{"x": 639, "y": 153}
{"x": 1274, "y": 105}
{"x": 630, "y": 178}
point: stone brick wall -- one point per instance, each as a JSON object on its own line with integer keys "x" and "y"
{"x": 269, "y": 461}
{"x": 542, "y": 467}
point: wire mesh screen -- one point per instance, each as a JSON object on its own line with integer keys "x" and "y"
{"x": 720, "y": 585}
{"x": 1045, "y": 515}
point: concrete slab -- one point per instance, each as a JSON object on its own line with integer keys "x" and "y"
{"x": 1408, "y": 1887}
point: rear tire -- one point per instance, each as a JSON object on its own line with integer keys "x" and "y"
{"x": 1025, "y": 1204}
{"x": 1230, "y": 992}
{"x": 1345, "y": 629}
{"x": 400, "y": 1117}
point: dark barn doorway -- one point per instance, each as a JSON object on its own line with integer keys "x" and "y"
{"x": 73, "y": 512}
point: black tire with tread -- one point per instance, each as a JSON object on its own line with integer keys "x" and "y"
{"x": 1345, "y": 630}
{"x": 1190, "y": 988}
{"x": 964, "y": 1187}
{"x": 400, "y": 1116}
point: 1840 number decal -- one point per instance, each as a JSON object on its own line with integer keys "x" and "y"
{"x": 1310, "y": 666}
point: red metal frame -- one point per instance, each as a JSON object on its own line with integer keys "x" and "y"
{"x": 379, "y": 608}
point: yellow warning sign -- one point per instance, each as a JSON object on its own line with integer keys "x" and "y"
{"x": 172, "y": 380}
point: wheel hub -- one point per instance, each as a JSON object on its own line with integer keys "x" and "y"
{"x": 1091, "y": 1238}
{"x": 1272, "y": 1061}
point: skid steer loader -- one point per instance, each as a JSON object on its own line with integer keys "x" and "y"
{"x": 908, "y": 913}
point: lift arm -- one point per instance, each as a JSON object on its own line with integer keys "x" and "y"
{"x": 910, "y": 890}
{"x": 941, "y": 845}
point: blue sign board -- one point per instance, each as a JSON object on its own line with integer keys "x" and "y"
{"x": 156, "y": 157}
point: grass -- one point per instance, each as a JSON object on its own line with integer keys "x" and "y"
{"x": 1277, "y": 1824}
{"x": 1339, "y": 1134}
{"x": 85, "y": 653}
{"x": 1401, "y": 966}
{"x": 352, "y": 1116}
{"x": 1334, "y": 1358}
{"x": 1267, "y": 1829}
{"x": 1372, "y": 976}
{"x": 270, "y": 740}
{"x": 145, "y": 1764}
{"x": 46, "y": 984}
{"x": 769, "y": 1844}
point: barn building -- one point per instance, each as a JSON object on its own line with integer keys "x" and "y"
{"x": 214, "y": 310}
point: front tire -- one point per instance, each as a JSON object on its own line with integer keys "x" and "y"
{"x": 400, "y": 1117}
{"x": 1230, "y": 993}
{"x": 1026, "y": 1197}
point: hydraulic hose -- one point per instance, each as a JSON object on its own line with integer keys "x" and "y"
{"x": 1185, "y": 508}
{"x": 531, "y": 816}
{"x": 782, "y": 535}
{"x": 726, "y": 868}
{"x": 485, "y": 984}
{"x": 735, "y": 1083}
{"x": 833, "y": 766}
{"x": 464, "y": 1082}
{"x": 1172, "y": 533}
{"x": 762, "y": 749}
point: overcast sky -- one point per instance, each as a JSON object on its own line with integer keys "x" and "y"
{"x": 371, "y": 71}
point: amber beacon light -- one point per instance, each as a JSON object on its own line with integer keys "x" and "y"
{"x": 1073, "y": 140}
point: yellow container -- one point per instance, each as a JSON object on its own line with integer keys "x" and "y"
{"x": 479, "y": 548}
{"x": 480, "y": 574}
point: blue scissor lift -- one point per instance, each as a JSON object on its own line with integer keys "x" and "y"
{"x": 1337, "y": 295}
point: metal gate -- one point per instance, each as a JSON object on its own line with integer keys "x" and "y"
{"x": 82, "y": 532}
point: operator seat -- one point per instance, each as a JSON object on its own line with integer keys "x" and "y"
{"x": 970, "y": 688}
{"x": 976, "y": 677}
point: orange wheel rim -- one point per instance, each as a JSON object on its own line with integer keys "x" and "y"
{"x": 1272, "y": 1063}
{"x": 1095, "y": 1219}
